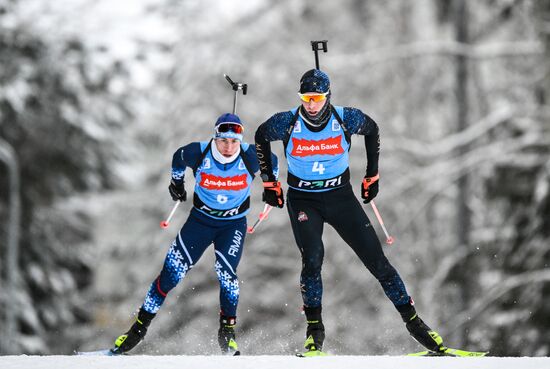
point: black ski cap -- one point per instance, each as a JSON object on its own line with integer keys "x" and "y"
{"x": 314, "y": 80}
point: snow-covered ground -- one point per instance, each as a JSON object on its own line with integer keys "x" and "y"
{"x": 269, "y": 362}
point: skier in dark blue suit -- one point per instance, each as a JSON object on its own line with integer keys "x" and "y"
{"x": 224, "y": 169}
{"x": 316, "y": 138}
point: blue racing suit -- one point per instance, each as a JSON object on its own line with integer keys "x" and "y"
{"x": 220, "y": 203}
{"x": 320, "y": 192}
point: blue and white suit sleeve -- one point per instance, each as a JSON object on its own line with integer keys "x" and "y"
{"x": 186, "y": 156}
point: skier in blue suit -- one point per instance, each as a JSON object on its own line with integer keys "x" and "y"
{"x": 224, "y": 169}
{"x": 316, "y": 139}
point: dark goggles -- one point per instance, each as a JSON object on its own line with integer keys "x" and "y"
{"x": 229, "y": 127}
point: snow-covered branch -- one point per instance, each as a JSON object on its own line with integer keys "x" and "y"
{"x": 437, "y": 177}
{"x": 445, "y": 171}
{"x": 455, "y": 141}
{"x": 495, "y": 293}
{"x": 440, "y": 48}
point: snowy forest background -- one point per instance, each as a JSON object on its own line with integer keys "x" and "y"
{"x": 95, "y": 96}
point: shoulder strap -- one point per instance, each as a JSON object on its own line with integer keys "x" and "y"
{"x": 347, "y": 135}
{"x": 246, "y": 162}
{"x": 290, "y": 128}
{"x": 202, "y": 156}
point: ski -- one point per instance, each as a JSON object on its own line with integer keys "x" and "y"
{"x": 447, "y": 351}
{"x": 106, "y": 352}
{"x": 110, "y": 352}
{"x": 311, "y": 353}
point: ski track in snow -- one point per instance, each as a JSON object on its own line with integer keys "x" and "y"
{"x": 269, "y": 362}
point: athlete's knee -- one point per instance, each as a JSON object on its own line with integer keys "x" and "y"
{"x": 312, "y": 264}
{"x": 226, "y": 274}
{"x": 167, "y": 280}
{"x": 381, "y": 268}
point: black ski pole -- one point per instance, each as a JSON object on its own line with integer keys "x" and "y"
{"x": 316, "y": 46}
{"x": 236, "y": 87}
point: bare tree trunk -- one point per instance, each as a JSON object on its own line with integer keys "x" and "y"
{"x": 8, "y": 156}
{"x": 463, "y": 226}
{"x": 461, "y": 28}
{"x": 543, "y": 11}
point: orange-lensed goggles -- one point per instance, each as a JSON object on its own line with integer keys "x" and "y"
{"x": 229, "y": 127}
{"x": 315, "y": 97}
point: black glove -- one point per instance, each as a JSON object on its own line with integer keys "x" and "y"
{"x": 369, "y": 188}
{"x": 177, "y": 192}
{"x": 273, "y": 194}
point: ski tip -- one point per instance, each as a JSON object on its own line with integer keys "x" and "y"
{"x": 451, "y": 352}
{"x": 462, "y": 353}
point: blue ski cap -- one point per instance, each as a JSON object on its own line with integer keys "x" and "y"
{"x": 229, "y": 126}
{"x": 314, "y": 80}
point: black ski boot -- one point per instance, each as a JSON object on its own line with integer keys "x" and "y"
{"x": 226, "y": 336}
{"x": 315, "y": 332}
{"x": 420, "y": 330}
{"x": 135, "y": 335}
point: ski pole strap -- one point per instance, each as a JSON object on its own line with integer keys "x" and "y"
{"x": 367, "y": 181}
{"x": 273, "y": 186}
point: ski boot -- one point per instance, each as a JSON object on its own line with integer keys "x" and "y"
{"x": 226, "y": 336}
{"x": 315, "y": 333}
{"x": 420, "y": 330}
{"x": 135, "y": 335}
